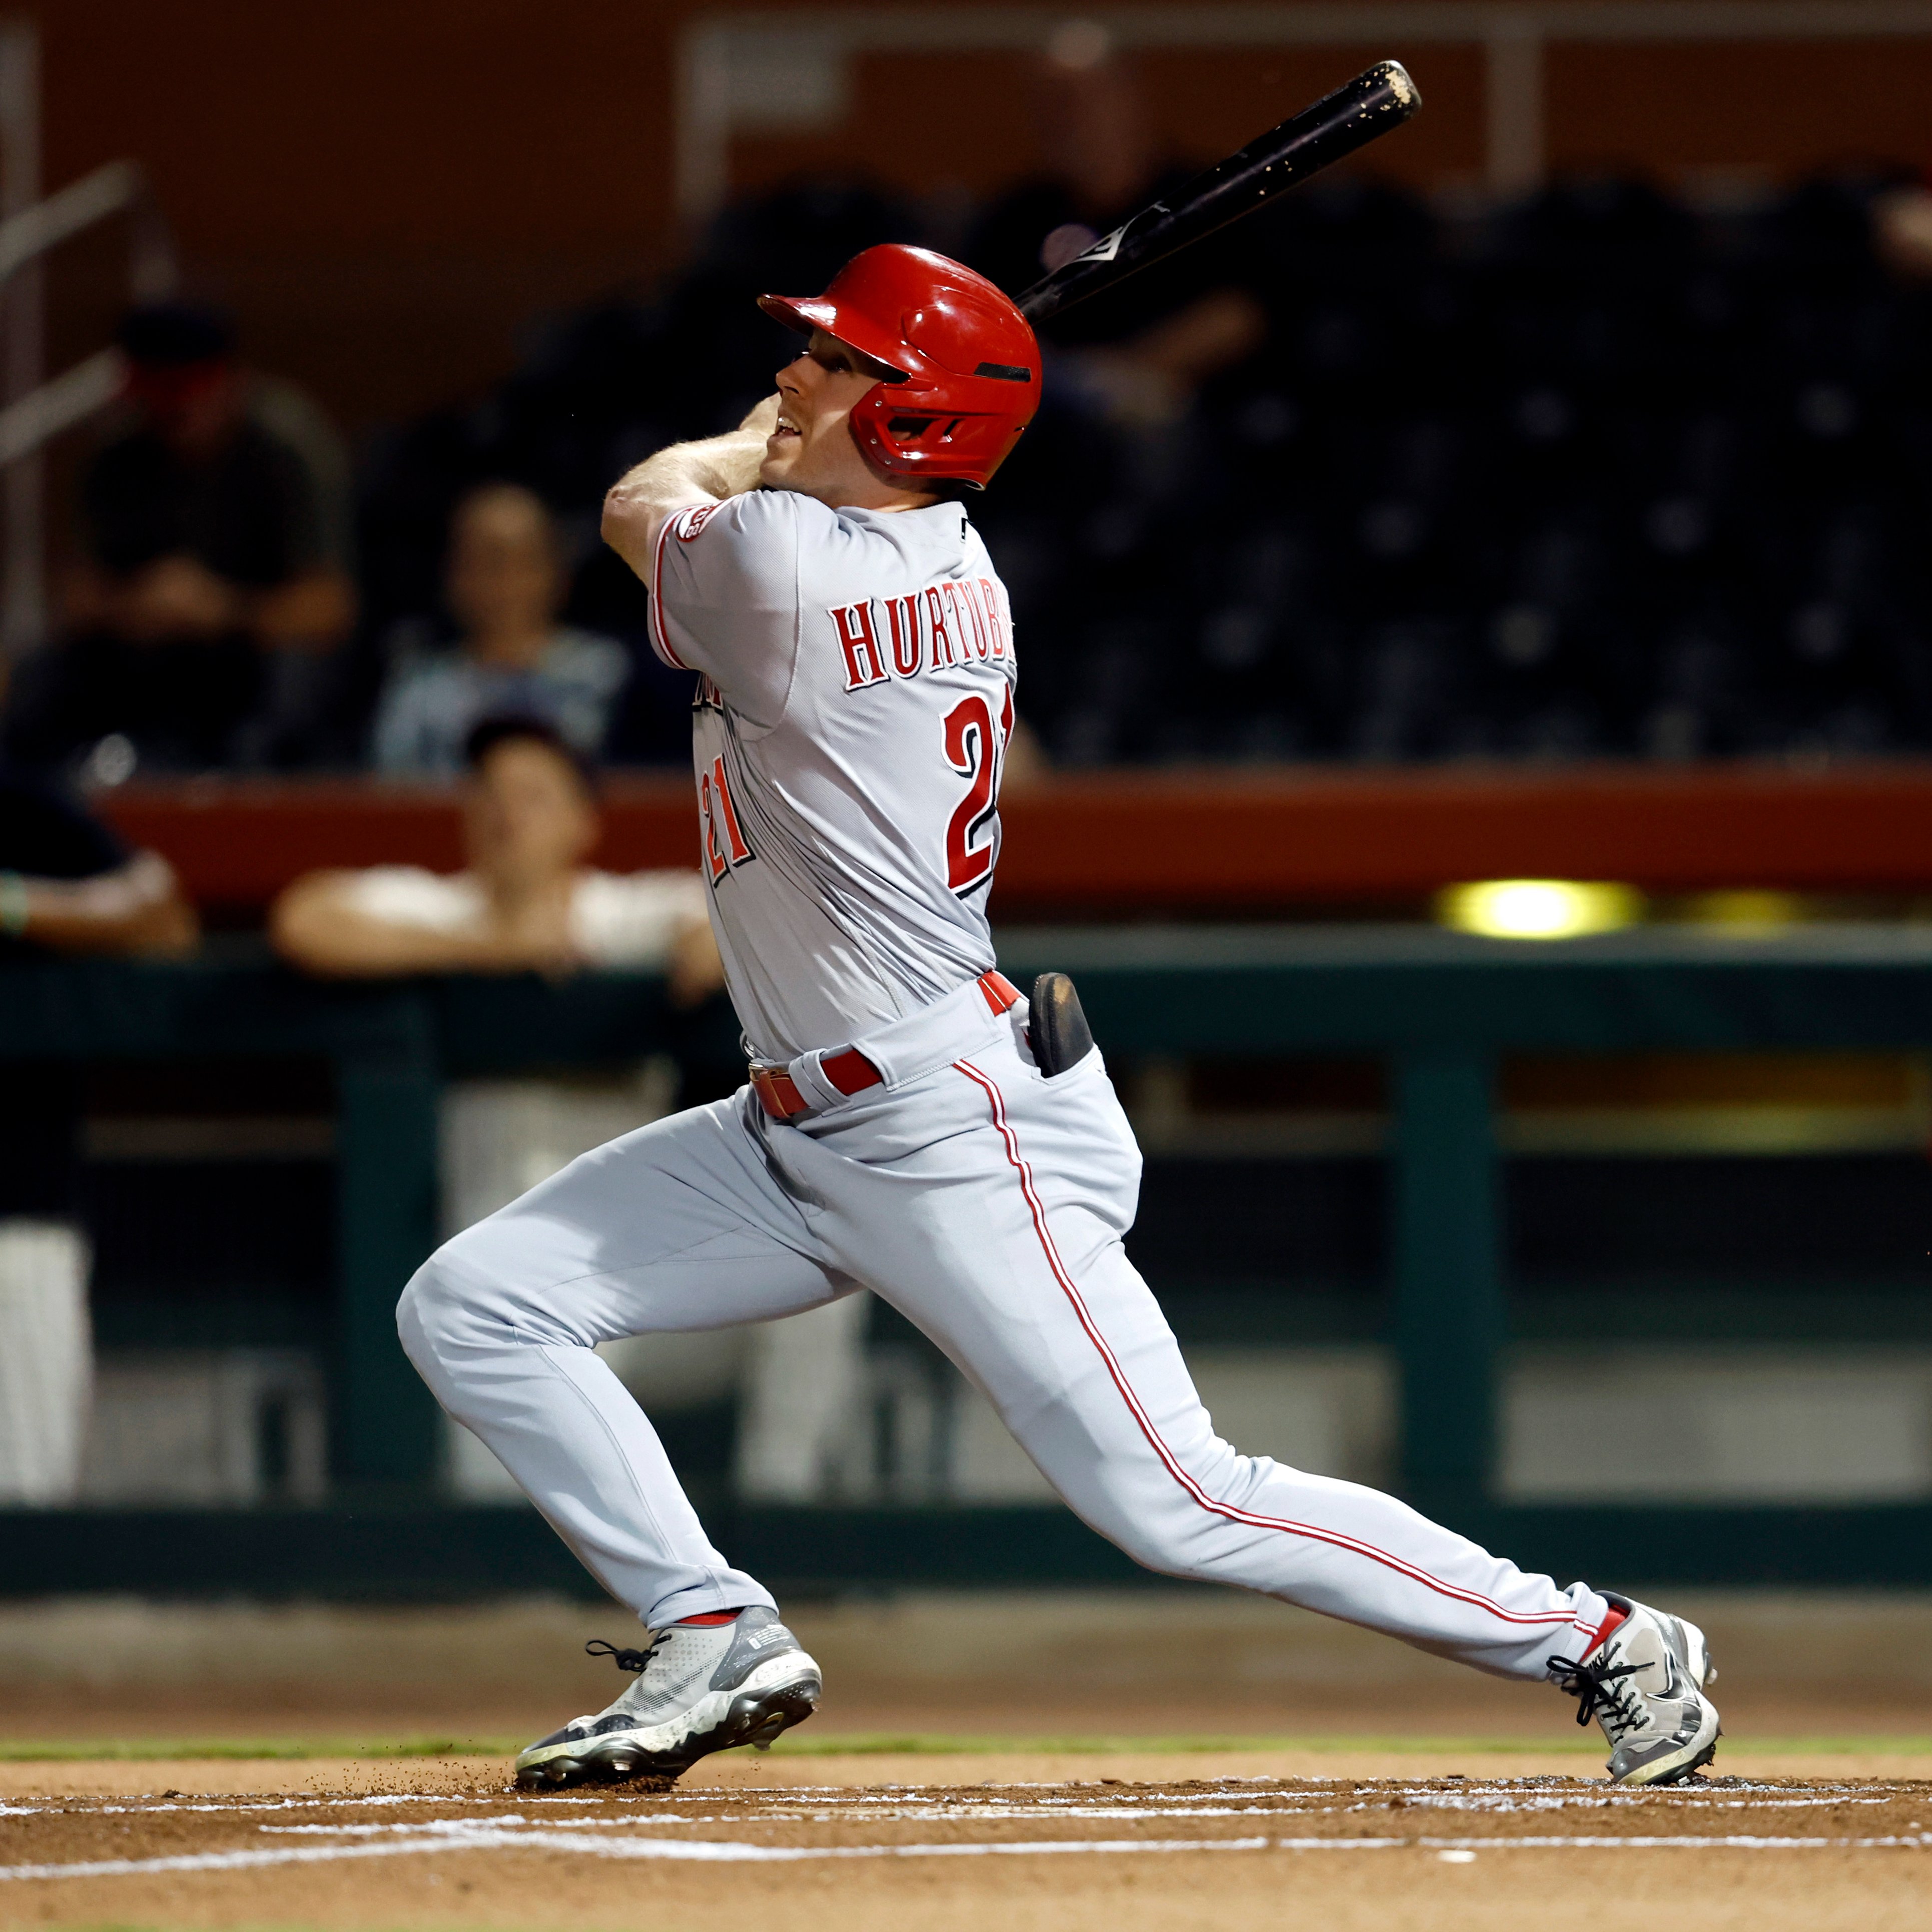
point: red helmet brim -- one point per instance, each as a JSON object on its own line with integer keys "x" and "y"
{"x": 856, "y": 331}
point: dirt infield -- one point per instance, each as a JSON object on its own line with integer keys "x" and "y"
{"x": 1332, "y": 1780}
{"x": 850, "y": 1844}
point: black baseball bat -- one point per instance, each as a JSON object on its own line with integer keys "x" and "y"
{"x": 1369, "y": 107}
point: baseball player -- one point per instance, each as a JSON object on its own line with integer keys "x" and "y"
{"x": 912, "y": 1125}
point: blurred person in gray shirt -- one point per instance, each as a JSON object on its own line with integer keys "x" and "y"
{"x": 505, "y": 586}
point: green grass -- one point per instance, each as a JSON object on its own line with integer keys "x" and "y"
{"x": 880, "y": 1744}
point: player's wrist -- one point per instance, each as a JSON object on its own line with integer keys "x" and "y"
{"x": 734, "y": 463}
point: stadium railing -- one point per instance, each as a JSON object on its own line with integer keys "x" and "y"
{"x": 1438, "y": 1008}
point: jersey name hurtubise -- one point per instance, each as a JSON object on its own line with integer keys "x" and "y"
{"x": 856, "y": 677}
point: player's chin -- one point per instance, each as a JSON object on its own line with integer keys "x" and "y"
{"x": 775, "y": 473}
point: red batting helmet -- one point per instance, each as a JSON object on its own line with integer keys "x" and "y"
{"x": 968, "y": 366}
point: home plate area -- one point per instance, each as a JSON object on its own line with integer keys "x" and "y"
{"x": 379, "y": 1856}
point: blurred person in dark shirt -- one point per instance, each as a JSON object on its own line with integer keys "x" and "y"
{"x": 68, "y": 884}
{"x": 505, "y": 584}
{"x": 214, "y": 578}
{"x": 1142, "y": 350}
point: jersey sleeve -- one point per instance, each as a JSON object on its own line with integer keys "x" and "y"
{"x": 724, "y": 597}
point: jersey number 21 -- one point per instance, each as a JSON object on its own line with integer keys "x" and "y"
{"x": 975, "y": 752}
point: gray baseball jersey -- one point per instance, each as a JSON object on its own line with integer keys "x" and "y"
{"x": 854, "y": 701}
{"x": 856, "y": 675}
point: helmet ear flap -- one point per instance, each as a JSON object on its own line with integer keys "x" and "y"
{"x": 892, "y": 432}
{"x": 927, "y": 440}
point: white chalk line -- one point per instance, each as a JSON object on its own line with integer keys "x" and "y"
{"x": 897, "y": 1804}
{"x": 1552, "y": 1801}
{"x": 730, "y": 1812}
{"x": 897, "y": 1801}
{"x": 511, "y": 1834}
{"x": 903, "y": 1803}
{"x": 1911, "y": 1841}
{"x": 547, "y": 1839}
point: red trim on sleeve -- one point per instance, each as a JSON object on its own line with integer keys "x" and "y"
{"x": 686, "y": 523}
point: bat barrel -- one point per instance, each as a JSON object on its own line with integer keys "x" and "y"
{"x": 1367, "y": 107}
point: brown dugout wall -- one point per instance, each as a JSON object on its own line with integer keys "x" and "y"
{"x": 387, "y": 195}
{"x": 1198, "y": 843}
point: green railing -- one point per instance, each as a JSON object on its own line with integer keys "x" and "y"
{"x": 1438, "y": 1008}
{"x": 1441, "y": 1008}
{"x": 391, "y": 1046}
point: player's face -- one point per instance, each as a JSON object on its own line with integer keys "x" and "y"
{"x": 812, "y": 451}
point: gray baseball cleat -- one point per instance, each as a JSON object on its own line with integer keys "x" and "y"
{"x": 1644, "y": 1683}
{"x": 700, "y": 1688}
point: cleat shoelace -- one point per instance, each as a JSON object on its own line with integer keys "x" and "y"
{"x": 1599, "y": 1691}
{"x": 625, "y": 1660}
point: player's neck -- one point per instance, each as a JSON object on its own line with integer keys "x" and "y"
{"x": 871, "y": 494}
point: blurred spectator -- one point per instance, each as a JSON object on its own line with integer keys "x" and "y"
{"x": 1598, "y": 473}
{"x": 505, "y": 584}
{"x": 214, "y": 579}
{"x": 526, "y": 902}
{"x": 68, "y": 885}
{"x": 1902, "y": 227}
{"x": 590, "y": 399}
{"x": 1121, "y": 447}
{"x": 1151, "y": 343}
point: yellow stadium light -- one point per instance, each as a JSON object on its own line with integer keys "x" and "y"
{"x": 1538, "y": 908}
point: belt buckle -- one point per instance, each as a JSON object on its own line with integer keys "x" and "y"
{"x": 777, "y": 1093}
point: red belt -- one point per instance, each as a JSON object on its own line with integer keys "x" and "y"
{"x": 850, "y": 1071}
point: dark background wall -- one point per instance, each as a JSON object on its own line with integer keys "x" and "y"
{"x": 387, "y": 192}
